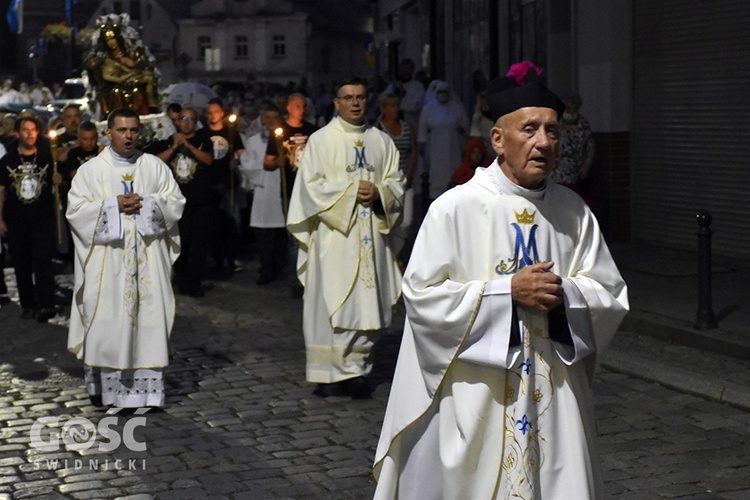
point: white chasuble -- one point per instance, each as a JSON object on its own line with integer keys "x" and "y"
{"x": 346, "y": 259}
{"x": 473, "y": 414}
{"x": 123, "y": 304}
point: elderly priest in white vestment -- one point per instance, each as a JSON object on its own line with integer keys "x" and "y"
{"x": 123, "y": 209}
{"x": 347, "y": 197}
{"x": 511, "y": 295}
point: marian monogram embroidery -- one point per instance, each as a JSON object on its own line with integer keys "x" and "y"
{"x": 525, "y": 252}
{"x": 127, "y": 184}
{"x": 360, "y": 163}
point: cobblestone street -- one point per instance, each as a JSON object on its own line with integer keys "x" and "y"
{"x": 241, "y": 422}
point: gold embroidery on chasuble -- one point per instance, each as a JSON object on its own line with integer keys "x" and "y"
{"x": 134, "y": 262}
{"x": 528, "y": 395}
{"x": 361, "y": 169}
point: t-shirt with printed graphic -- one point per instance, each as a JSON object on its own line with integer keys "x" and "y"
{"x": 27, "y": 180}
{"x": 294, "y": 140}
{"x": 194, "y": 178}
{"x": 76, "y": 157}
{"x": 67, "y": 140}
{"x": 221, "y": 141}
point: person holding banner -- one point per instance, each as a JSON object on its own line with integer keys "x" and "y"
{"x": 27, "y": 219}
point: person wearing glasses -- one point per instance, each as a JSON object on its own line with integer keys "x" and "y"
{"x": 189, "y": 153}
{"x": 347, "y": 199}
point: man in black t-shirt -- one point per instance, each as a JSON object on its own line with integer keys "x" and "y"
{"x": 189, "y": 154}
{"x": 227, "y": 146}
{"x": 27, "y": 218}
{"x": 293, "y": 140}
{"x": 295, "y": 132}
{"x": 85, "y": 149}
{"x": 71, "y": 117}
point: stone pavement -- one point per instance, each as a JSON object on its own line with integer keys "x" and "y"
{"x": 241, "y": 423}
{"x": 663, "y": 289}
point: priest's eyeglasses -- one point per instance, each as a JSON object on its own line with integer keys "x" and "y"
{"x": 187, "y": 119}
{"x": 348, "y": 99}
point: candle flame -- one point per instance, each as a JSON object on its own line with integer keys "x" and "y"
{"x": 52, "y": 134}
{"x": 232, "y": 118}
{"x": 279, "y": 132}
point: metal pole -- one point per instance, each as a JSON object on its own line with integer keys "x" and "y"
{"x": 705, "y": 316}
{"x": 58, "y": 214}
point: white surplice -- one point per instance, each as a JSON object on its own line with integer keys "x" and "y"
{"x": 469, "y": 414}
{"x": 268, "y": 207}
{"x": 346, "y": 259}
{"x": 123, "y": 305}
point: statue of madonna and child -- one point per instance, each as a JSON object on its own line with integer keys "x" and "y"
{"x": 121, "y": 69}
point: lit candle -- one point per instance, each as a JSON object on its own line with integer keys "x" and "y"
{"x": 279, "y": 133}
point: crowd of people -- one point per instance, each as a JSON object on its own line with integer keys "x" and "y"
{"x": 35, "y": 94}
{"x": 510, "y": 290}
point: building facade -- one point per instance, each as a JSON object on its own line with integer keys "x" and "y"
{"x": 281, "y": 41}
{"x": 662, "y": 83}
{"x": 235, "y": 42}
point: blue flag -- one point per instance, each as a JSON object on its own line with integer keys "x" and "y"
{"x": 15, "y": 16}
{"x": 68, "y": 14}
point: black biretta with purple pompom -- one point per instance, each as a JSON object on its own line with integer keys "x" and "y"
{"x": 521, "y": 87}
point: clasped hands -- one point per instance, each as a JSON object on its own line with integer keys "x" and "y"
{"x": 367, "y": 192}
{"x": 536, "y": 287}
{"x": 178, "y": 140}
{"x": 130, "y": 203}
